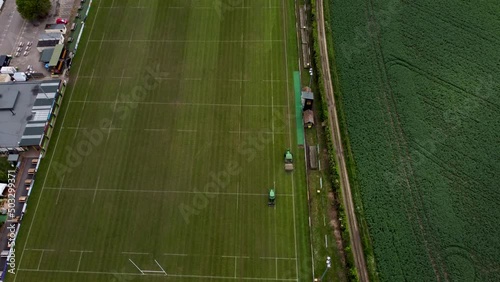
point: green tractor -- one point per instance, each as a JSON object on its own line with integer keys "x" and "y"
{"x": 288, "y": 160}
{"x": 272, "y": 197}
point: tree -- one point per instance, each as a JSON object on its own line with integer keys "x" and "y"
{"x": 4, "y": 167}
{"x": 33, "y": 9}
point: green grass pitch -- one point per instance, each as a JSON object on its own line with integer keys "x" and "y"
{"x": 172, "y": 131}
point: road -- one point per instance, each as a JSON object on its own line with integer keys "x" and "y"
{"x": 13, "y": 26}
{"x": 356, "y": 245}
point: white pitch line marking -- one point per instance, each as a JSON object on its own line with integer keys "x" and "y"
{"x": 135, "y": 253}
{"x": 153, "y": 271}
{"x": 60, "y": 186}
{"x": 130, "y": 41}
{"x": 96, "y": 187}
{"x": 242, "y": 46}
{"x": 290, "y": 135}
{"x": 184, "y": 276}
{"x": 278, "y": 258}
{"x": 239, "y": 137}
{"x": 273, "y": 162}
{"x": 136, "y": 266}
{"x": 161, "y": 267}
{"x": 177, "y": 104}
{"x": 193, "y": 7}
{"x": 77, "y": 126}
{"x": 40, "y": 260}
{"x": 173, "y": 254}
{"x": 187, "y": 79}
{"x": 102, "y": 128}
{"x": 114, "y": 109}
{"x": 241, "y": 257}
{"x": 164, "y": 191}
{"x": 272, "y": 111}
{"x": 79, "y": 262}
{"x": 184, "y": 41}
{"x": 100, "y": 44}
{"x": 183, "y": 130}
{"x": 178, "y": 130}
{"x": 86, "y": 94}
{"x": 237, "y": 196}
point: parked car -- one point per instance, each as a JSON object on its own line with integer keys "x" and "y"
{"x": 61, "y": 21}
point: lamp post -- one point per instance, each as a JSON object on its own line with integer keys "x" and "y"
{"x": 328, "y": 265}
{"x": 310, "y": 76}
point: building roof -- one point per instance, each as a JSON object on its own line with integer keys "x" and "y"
{"x": 308, "y": 117}
{"x": 55, "y": 26}
{"x": 13, "y": 158}
{"x": 56, "y": 55}
{"x": 4, "y": 60}
{"x": 32, "y": 111}
{"x": 307, "y": 95}
{"x": 46, "y": 55}
{"x": 47, "y": 43}
{"x": 50, "y": 36}
{"x": 8, "y": 98}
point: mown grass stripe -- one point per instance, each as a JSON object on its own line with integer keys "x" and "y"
{"x": 298, "y": 108}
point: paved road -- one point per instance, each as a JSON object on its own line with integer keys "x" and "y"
{"x": 357, "y": 247}
{"x": 12, "y": 26}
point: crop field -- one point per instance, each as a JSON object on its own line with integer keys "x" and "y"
{"x": 419, "y": 86}
{"x": 172, "y": 132}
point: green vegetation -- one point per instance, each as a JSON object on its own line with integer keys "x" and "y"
{"x": 418, "y": 83}
{"x": 4, "y": 167}
{"x": 333, "y": 178}
{"x": 33, "y": 9}
{"x": 362, "y": 224}
{"x": 171, "y": 134}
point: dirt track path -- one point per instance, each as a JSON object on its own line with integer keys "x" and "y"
{"x": 357, "y": 247}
